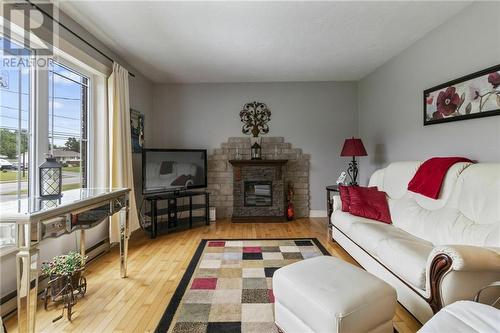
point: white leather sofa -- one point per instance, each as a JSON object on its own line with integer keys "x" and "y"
{"x": 436, "y": 252}
{"x": 464, "y": 316}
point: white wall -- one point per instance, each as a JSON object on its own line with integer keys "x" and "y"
{"x": 390, "y": 99}
{"x": 315, "y": 116}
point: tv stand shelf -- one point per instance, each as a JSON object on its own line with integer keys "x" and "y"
{"x": 174, "y": 210}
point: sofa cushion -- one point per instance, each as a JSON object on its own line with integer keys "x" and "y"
{"x": 370, "y": 235}
{"x": 447, "y": 188}
{"x": 344, "y": 221}
{"x": 396, "y": 178}
{"x": 369, "y": 203}
{"x": 477, "y": 193}
{"x": 407, "y": 258}
{"x": 377, "y": 179}
{"x": 344, "y": 196}
{"x": 443, "y": 226}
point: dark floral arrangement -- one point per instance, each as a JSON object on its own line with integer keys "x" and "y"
{"x": 449, "y": 102}
{"x": 65, "y": 264}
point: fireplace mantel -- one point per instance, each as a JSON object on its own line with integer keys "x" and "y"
{"x": 258, "y": 162}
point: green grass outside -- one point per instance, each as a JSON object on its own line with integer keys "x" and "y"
{"x": 68, "y": 187}
{"x": 65, "y": 187}
{"x": 71, "y": 169}
{"x": 11, "y": 176}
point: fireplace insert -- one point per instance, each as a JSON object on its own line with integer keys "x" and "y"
{"x": 258, "y": 193}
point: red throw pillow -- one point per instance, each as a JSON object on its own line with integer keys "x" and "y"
{"x": 368, "y": 203}
{"x": 345, "y": 198}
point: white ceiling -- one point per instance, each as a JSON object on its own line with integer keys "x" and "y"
{"x": 193, "y": 42}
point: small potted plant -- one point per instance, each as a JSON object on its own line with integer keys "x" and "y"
{"x": 62, "y": 271}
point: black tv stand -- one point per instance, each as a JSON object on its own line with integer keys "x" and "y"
{"x": 174, "y": 210}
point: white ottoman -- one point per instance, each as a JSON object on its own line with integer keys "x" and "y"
{"x": 325, "y": 295}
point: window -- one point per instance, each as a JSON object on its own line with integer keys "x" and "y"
{"x": 68, "y": 102}
{"x": 15, "y": 93}
{"x": 42, "y": 111}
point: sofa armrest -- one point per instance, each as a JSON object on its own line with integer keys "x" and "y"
{"x": 468, "y": 257}
{"x": 337, "y": 203}
{"x": 456, "y": 272}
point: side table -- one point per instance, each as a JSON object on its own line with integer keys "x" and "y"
{"x": 329, "y": 201}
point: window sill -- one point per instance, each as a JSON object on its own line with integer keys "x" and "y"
{"x": 7, "y": 250}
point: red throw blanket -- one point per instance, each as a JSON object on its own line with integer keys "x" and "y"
{"x": 430, "y": 175}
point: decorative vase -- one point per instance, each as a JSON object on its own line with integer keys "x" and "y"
{"x": 290, "y": 212}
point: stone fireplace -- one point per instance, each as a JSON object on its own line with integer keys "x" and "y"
{"x": 221, "y": 171}
{"x": 258, "y": 188}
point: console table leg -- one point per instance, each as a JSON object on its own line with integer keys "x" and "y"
{"x": 82, "y": 242}
{"x": 27, "y": 287}
{"x": 124, "y": 235}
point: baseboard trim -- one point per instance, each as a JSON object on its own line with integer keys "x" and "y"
{"x": 317, "y": 213}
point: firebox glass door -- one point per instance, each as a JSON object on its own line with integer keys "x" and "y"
{"x": 258, "y": 193}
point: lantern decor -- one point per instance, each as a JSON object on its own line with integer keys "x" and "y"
{"x": 256, "y": 151}
{"x": 50, "y": 179}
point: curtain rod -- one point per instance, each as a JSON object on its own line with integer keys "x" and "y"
{"x": 75, "y": 34}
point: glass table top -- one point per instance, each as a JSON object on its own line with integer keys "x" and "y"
{"x": 33, "y": 205}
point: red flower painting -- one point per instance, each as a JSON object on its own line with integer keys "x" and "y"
{"x": 494, "y": 79}
{"x": 472, "y": 96}
{"x": 447, "y": 102}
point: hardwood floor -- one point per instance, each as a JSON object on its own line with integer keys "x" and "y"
{"x": 155, "y": 267}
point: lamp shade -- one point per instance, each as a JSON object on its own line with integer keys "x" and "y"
{"x": 353, "y": 147}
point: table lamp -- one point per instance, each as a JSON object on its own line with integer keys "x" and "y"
{"x": 353, "y": 147}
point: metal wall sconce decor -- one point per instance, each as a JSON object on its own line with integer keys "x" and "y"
{"x": 255, "y": 116}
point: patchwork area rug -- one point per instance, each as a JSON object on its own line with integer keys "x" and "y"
{"x": 227, "y": 287}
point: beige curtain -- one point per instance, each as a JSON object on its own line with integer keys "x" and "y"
{"x": 120, "y": 145}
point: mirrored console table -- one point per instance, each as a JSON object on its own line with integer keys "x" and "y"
{"x": 38, "y": 219}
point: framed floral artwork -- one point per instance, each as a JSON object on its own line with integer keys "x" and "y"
{"x": 473, "y": 96}
{"x": 137, "y": 129}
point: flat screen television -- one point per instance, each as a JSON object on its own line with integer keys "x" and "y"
{"x": 173, "y": 169}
